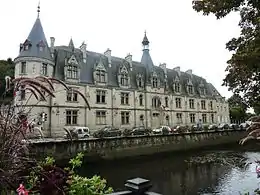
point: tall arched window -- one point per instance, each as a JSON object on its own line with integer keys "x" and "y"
{"x": 141, "y": 103}
{"x": 167, "y": 120}
{"x": 156, "y": 102}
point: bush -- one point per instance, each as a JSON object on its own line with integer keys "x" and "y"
{"x": 48, "y": 179}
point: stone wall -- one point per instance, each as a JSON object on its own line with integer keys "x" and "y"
{"x": 113, "y": 148}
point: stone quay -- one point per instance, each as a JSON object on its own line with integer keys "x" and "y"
{"x": 122, "y": 147}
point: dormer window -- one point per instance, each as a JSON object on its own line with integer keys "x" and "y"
{"x": 202, "y": 91}
{"x": 72, "y": 68}
{"x": 27, "y": 44}
{"x": 72, "y": 72}
{"x": 155, "y": 82}
{"x": 177, "y": 87}
{"x": 139, "y": 81}
{"x": 190, "y": 89}
{"x": 123, "y": 77}
{"x": 101, "y": 76}
{"x": 124, "y": 81}
{"x": 41, "y": 45}
{"x": 100, "y": 73}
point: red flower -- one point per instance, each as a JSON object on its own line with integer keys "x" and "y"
{"x": 22, "y": 191}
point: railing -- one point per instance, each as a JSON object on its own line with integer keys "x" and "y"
{"x": 137, "y": 186}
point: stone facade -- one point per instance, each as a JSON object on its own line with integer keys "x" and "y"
{"x": 122, "y": 92}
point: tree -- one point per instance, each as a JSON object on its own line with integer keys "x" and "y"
{"x": 237, "y": 108}
{"x": 6, "y": 68}
{"x": 244, "y": 66}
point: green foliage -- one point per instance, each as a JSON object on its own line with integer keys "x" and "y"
{"x": 77, "y": 161}
{"x": 74, "y": 184}
{"x": 237, "y": 108}
{"x": 244, "y": 66}
{"x": 84, "y": 186}
{"x": 6, "y": 69}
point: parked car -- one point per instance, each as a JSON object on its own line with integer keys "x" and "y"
{"x": 243, "y": 126}
{"x": 223, "y": 126}
{"x": 234, "y": 126}
{"x": 162, "y": 130}
{"x": 107, "y": 132}
{"x": 213, "y": 127}
{"x": 78, "y": 133}
{"x": 137, "y": 131}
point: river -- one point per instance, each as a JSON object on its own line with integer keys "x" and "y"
{"x": 171, "y": 175}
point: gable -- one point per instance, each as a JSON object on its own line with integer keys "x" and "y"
{"x": 73, "y": 60}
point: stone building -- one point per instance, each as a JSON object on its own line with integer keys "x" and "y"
{"x": 122, "y": 92}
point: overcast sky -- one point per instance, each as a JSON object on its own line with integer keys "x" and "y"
{"x": 178, "y": 35}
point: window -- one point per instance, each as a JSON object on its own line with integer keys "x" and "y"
{"x": 212, "y": 118}
{"x": 23, "y": 68}
{"x": 72, "y": 72}
{"x": 71, "y": 117}
{"x": 142, "y": 119}
{"x": 101, "y": 117}
{"x": 192, "y": 118}
{"x": 203, "y": 104}
{"x": 191, "y": 103}
{"x": 156, "y": 103}
{"x": 177, "y": 87}
{"x": 141, "y": 100}
{"x": 225, "y": 109}
{"x": 100, "y": 76}
{"x": 204, "y": 118}
{"x": 190, "y": 89}
{"x": 202, "y": 91}
{"x": 211, "y": 105}
{"x": 155, "y": 82}
{"x": 124, "y": 80}
{"x": 101, "y": 97}
{"x": 179, "y": 118}
{"x": 167, "y": 119}
{"x": 22, "y": 93}
{"x": 124, "y": 98}
{"x": 125, "y": 116}
{"x": 166, "y": 102}
{"x": 72, "y": 96}
{"x": 139, "y": 82}
{"x": 178, "y": 102}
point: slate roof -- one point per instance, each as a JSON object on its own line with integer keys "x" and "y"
{"x": 35, "y": 39}
{"x": 93, "y": 58}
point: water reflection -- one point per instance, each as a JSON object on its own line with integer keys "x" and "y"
{"x": 172, "y": 176}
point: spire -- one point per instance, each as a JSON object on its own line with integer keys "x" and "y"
{"x": 38, "y": 10}
{"x": 71, "y": 44}
{"x": 36, "y": 44}
{"x": 146, "y": 58}
{"x": 145, "y": 41}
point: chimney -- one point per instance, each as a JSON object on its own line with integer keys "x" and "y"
{"x": 108, "y": 55}
{"x": 52, "y": 45}
{"x": 189, "y": 72}
{"x": 83, "y": 49}
{"x": 178, "y": 70}
{"x": 163, "y": 66}
{"x": 128, "y": 58}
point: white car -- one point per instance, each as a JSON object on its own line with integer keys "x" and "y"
{"x": 78, "y": 133}
{"x": 159, "y": 130}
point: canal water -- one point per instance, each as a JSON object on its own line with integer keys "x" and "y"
{"x": 175, "y": 175}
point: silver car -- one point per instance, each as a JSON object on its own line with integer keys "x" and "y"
{"x": 78, "y": 133}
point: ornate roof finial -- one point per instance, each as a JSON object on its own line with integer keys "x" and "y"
{"x": 38, "y": 9}
{"x": 145, "y": 40}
